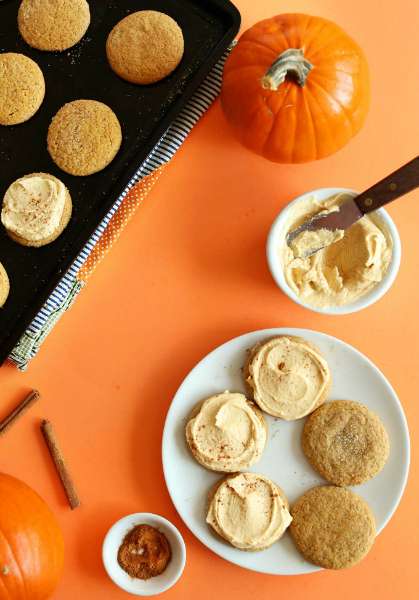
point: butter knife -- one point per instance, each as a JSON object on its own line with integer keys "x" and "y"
{"x": 350, "y": 211}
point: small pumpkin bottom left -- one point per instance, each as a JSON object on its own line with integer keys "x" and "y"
{"x": 22, "y": 88}
{"x": 31, "y": 543}
{"x": 36, "y": 209}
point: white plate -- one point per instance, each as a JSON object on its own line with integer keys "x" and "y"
{"x": 354, "y": 378}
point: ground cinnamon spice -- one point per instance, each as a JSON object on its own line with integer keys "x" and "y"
{"x": 145, "y": 552}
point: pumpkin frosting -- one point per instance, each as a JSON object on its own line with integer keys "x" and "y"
{"x": 227, "y": 433}
{"x": 350, "y": 263}
{"x": 33, "y": 206}
{"x": 288, "y": 376}
{"x": 249, "y": 511}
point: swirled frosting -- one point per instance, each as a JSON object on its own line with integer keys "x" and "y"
{"x": 227, "y": 433}
{"x": 249, "y": 511}
{"x": 288, "y": 376}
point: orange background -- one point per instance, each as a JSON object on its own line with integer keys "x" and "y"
{"x": 189, "y": 273}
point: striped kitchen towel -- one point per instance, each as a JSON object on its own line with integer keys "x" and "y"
{"x": 112, "y": 225}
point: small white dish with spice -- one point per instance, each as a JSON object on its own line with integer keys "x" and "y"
{"x": 116, "y": 540}
{"x": 374, "y": 242}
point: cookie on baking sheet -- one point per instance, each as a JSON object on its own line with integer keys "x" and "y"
{"x": 332, "y": 527}
{"x": 4, "y": 285}
{"x": 145, "y": 46}
{"x": 36, "y": 209}
{"x": 287, "y": 376}
{"x": 248, "y": 510}
{"x": 22, "y": 88}
{"x": 226, "y": 432}
{"x": 53, "y": 25}
{"x": 345, "y": 442}
{"x": 84, "y": 137}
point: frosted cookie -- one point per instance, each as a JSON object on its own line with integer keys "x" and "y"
{"x": 36, "y": 209}
{"x": 249, "y": 511}
{"x": 332, "y": 527}
{"x": 288, "y": 377}
{"x": 145, "y": 47}
{"x": 226, "y": 433}
{"x": 84, "y": 137}
{"x": 52, "y": 24}
{"x": 22, "y": 88}
{"x": 345, "y": 442}
{"x": 4, "y": 286}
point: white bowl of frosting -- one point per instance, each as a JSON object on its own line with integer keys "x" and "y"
{"x": 348, "y": 275}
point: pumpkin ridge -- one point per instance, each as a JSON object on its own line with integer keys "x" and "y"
{"x": 268, "y": 137}
{"x": 313, "y": 129}
{"x": 321, "y": 109}
{"x": 349, "y": 120}
{"x": 3, "y": 585}
{"x": 304, "y": 32}
{"x": 17, "y": 566}
{"x": 312, "y": 36}
{"x": 260, "y": 45}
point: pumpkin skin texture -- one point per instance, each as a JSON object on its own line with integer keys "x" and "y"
{"x": 296, "y": 123}
{"x": 31, "y": 543}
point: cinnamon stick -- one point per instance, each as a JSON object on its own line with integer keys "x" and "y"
{"x": 20, "y": 409}
{"x": 60, "y": 464}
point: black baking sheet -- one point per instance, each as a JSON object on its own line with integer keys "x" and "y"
{"x": 145, "y": 112}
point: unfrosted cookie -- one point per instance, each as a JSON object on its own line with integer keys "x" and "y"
{"x": 145, "y": 47}
{"x": 248, "y": 510}
{"x": 226, "y": 432}
{"x": 287, "y": 376}
{"x": 22, "y": 88}
{"x": 36, "y": 209}
{"x": 84, "y": 137}
{"x": 332, "y": 527}
{"x": 345, "y": 442}
{"x": 53, "y": 24}
{"x": 4, "y": 285}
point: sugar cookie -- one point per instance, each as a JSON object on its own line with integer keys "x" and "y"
{"x": 145, "y": 47}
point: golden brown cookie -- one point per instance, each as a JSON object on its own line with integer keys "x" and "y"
{"x": 39, "y": 224}
{"x": 332, "y": 527}
{"x": 345, "y": 442}
{"x": 22, "y": 88}
{"x": 226, "y": 432}
{"x": 4, "y": 285}
{"x": 84, "y": 137}
{"x": 145, "y": 47}
{"x": 287, "y": 376}
{"x": 53, "y": 24}
{"x": 248, "y": 510}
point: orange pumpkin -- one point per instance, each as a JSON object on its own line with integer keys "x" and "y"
{"x": 295, "y": 88}
{"x": 31, "y": 543}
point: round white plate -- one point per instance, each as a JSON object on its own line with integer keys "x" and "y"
{"x": 354, "y": 378}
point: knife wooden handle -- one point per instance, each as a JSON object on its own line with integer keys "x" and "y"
{"x": 395, "y": 185}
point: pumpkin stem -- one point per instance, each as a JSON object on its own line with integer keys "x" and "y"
{"x": 290, "y": 62}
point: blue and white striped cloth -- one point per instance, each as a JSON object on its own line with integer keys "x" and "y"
{"x": 69, "y": 287}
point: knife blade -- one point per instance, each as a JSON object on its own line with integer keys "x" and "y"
{"x": 390, "y": 188}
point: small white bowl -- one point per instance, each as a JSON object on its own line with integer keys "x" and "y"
{"x": 155, "y": 585}
{"x": 276, "y": 240}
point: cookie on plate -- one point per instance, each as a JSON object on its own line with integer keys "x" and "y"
{"x": 145, "y": 47}
{"x": 332, "y": 527}
{"x": 345, "y": 442}
{"x": 22, "y": 88}
{"x": 226, "y": 433}
{"x": 248, "y": 510}
{"x": 288, "y": 377}
{"x": 48, "y": 25}
{"x": 4, "y": 286}
{"x": 36, "y": 209}
{"x": 84, "y": 137}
